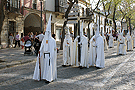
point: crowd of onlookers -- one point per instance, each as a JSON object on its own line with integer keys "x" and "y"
{"x": 20, "y": 40}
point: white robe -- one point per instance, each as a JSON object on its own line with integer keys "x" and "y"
{"x": 75, "y": 52}
{"x": 129, "y": 42}
{"x": 68, "y": 51}
{"x": 133, "y": 38}
{"x": 121, "y": 45}
{"x": 111, "y": 43}
{"x": 92, "y": 52}
{"x": 105, "y": 43}
{"x": 48, "y": 71}
{"x": 84, "y": 51}
{"x": 96, "y": 52}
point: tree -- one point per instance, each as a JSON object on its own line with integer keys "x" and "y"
{"x": 106, "y": 8}
{"x": 125, "y": 11}
{"x": 66, "y": 16}
{"x": 115, "y": 5}
{"x": 65, "y": 22}
{"x": 122, "y": 9}
{"x": 2, "y": 15}
{"x": 130, "y": 4}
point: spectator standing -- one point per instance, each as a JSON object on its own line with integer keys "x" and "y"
{"x": 31, "y": 35}
{"x": 11, "y": 38}
{"x": 22, "y": 41}
{"x": 17, "y": 39}
{"x": 26, "y": 38}
{"x": 40, "y": 36}
{"x": 34, "y": 36}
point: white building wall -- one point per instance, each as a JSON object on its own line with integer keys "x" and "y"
{"x": 50, "y": 5}
{"x": 102, "y": 25}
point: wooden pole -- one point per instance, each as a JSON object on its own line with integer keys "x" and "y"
{"x": 39, "y": 66}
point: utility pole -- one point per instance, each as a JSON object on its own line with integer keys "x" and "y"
{"x": 79, "y": 48}
{"x": 41, "y": 13}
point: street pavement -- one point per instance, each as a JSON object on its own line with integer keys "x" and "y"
{"x": 15, "y": 56}
{"x": 118, "y": 74}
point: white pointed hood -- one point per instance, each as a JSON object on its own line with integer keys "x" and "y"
{"x": 121, "y": 34}
{"x": 81, "y": 30}
{"x": 97, "y": 31}
{"x": 68, "y": 33}
{"x": 111, "y": 31}
{"x": 48, "y": 29}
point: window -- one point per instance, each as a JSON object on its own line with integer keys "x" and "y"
{"x": 12, "y": 27}
{"x": 34, "y": 4}
{"x": 82, "y": 11}
{"x": 16, "y": 4}
{"x": 8, "y": 5}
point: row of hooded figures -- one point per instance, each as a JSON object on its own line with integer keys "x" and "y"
{"x": 46, "y": 67}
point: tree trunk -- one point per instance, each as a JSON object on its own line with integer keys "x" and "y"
{"x": 2, "y": 16}
{"x": 130, "y": 25}
{"x": 114, "y": 19}
{"x": 105, "y": 24}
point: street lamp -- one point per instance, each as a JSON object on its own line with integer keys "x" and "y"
{"x": 41, "y": 12}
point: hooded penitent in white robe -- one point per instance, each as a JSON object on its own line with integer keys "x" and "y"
{"x": 75, "y": 52}
{"x": 133, "y": 38}
{"x": 96, "y": 51}
{"x": 84, "y": 50}
{"x": 121, "y": 45}
{"x": 129, "y": 42}
{"x": 47, "y": 63}
{"x": 68, "y": 50}
{"x": 105, "y": 42}
{"x": 111, "y": 39}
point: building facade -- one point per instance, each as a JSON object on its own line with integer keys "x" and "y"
{"x": 24, "y": 16}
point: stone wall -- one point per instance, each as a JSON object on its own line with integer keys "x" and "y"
{"x": 5, "y": 29}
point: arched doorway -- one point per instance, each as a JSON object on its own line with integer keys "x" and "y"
{"x": 32, "y": 23}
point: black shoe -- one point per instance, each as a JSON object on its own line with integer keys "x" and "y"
{"x": 81, "y": 67}
{"x": 47, "y": 82}
{"x": 64, "y": 65}
{"x": 98, "y": 67}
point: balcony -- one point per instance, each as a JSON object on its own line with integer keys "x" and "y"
{"x": 13, "y": 8}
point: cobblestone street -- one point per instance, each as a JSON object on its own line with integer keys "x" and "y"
{"x": 118, "y": 74}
